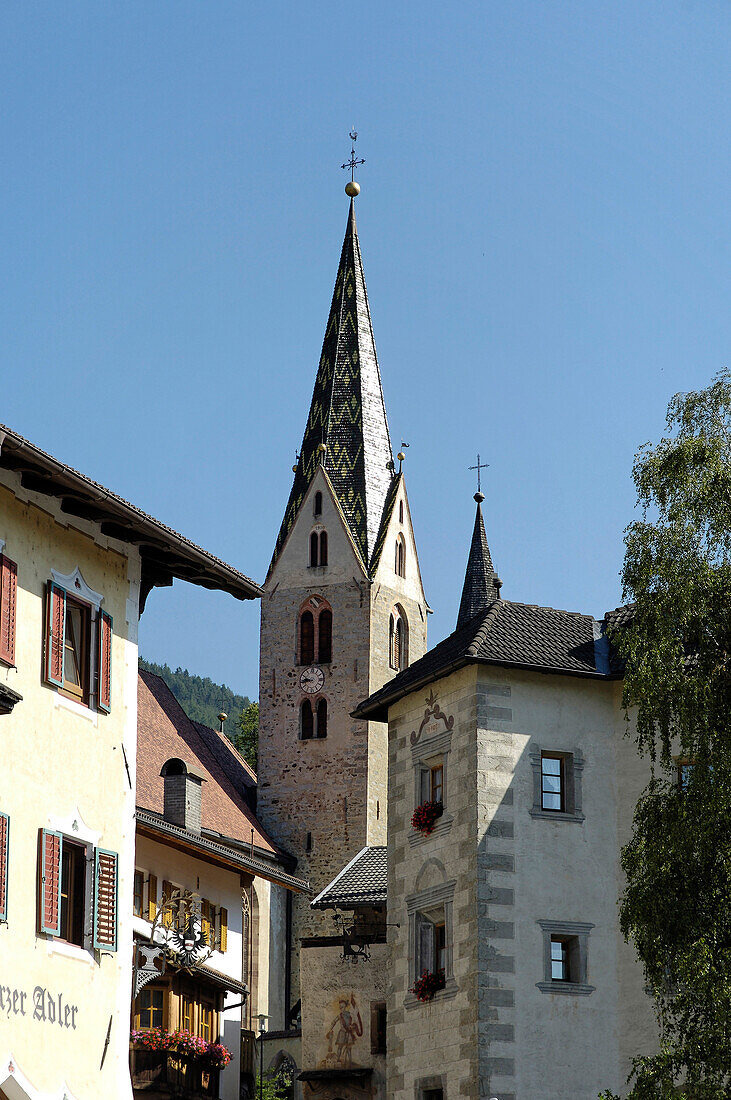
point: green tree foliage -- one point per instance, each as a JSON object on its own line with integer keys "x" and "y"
{"x": 246, "y": 736}
{"x": 201, "y": 698}
{"x": 676, "y": 907}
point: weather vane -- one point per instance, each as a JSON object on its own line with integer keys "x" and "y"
{"x": 480, "y": 466}
{"x": 352, "y": 188}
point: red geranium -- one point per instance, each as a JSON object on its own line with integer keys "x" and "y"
{"x": 427, "y": 985}
{"x": 425, "y": 817}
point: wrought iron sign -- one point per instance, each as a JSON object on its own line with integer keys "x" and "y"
{"x": 177, "y": 934}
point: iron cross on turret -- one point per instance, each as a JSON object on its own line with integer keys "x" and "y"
{"x": 480, "y": 466}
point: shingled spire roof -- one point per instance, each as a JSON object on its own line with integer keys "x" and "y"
{"x": 480, "y": 587}
{"x": 347, "y": 412}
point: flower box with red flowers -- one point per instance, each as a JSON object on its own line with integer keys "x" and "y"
{"x": 425, "y": 817}
{"x": 428, "y": 984}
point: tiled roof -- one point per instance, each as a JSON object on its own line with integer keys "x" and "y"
{"x": 515, "y": 635}
{"x": 479, "y": 588}
{"x": 347, "y": 412}
{"x": 164, "y": 552}
{"x": 164, "y": 732}
{"x": 362, "y": 882}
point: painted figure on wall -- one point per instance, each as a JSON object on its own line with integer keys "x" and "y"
{"x": 347, "y": 1028}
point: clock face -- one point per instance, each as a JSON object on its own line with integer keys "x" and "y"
{"x": 312, "y": 679}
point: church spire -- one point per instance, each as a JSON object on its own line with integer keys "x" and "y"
{"x": 347, "y": 430}
{"x": 481, "y": 583}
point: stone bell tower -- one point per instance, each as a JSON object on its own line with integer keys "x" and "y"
{"x": 343, "y": 610}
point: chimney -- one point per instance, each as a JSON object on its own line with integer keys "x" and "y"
{"x": 183, "y": 790}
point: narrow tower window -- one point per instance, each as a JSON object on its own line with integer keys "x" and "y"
{"x": 325, "y": 636}
{"x": 322, "y": 718}
{"x": 398, "y": 640}
{"x": 307, "y": 639}
{"x": 318, "y": 504}
{"x": 306, "y": 720}
{"x": 323, "y": 548}
{"x": 401, "y": 511}
{"x": 314, "y": 545}
{"x": 400, "y": 562}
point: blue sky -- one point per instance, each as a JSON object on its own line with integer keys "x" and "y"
{"x": 545, "y": 231}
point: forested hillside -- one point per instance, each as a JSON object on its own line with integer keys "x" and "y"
{"x": 200, "y": 697}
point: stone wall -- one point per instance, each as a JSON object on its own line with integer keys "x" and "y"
{"x": 336, "y": 1004}
{"x": 434, "y": 1044}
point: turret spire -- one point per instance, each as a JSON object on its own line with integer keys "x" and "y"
{"x": 481, "y": 583}
{"x": 347, "y": 414}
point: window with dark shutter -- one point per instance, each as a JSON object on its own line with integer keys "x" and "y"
{"x": 104, "y": 661}
{"x": 378, "y": 1027}
{"x": 322, "y": 718}
{"x": 4, "y": 853}
{"x": 307, "y": 638}
{"x": 105, "y": 900}
{"x": 8, "y": 596}
{"x": 307, "y": 722}
{"x": 49, "y": 892}
{"x": 314, "y": 544}
{"x": 325, "y": 636}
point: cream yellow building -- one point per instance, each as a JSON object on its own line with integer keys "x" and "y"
{"x": 77, "y": 564}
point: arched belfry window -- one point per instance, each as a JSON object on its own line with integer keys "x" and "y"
{"x": 398, "y": 640}
{"x": 325, "y": 636}
{"x": 307, "y": 721}
{"x": 323, "y": 547}
{"x": 317, "y": 509}
{"x": 315, "y": 632}
{"x": 400, "y": 560}
{"x": 307, "y": 638}
{"x": 321, "y": 718}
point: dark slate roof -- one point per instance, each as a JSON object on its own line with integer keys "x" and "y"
{"x": 362, "y": 882}
{"x": 479, "y": 589}
{"x": 347, "y": 412}
{"x": 514, "y": 635}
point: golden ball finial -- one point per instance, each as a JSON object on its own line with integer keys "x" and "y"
{"x": 352, "y": 188}
{"x": 294, "y": 468}
{"x": 401, "y": 456}
{"x": 321, "y": 448}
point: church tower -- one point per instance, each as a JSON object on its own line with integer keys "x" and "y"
{"x": 343, "y": 610}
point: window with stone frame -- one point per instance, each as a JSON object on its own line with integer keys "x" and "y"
{"x": 557, "y": 784}
{"x": 430, "y": 914}
{"x": 78, "y": 641}
{"x": 432, "y": 780}
{"x": 318, "y": 549}
{"x": 565, "y": 957}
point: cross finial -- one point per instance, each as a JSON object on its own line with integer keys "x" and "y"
{"x": 352, "y": 187}
{"x": 479, "y": 467}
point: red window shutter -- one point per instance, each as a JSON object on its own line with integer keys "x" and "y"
{"x": 8, "y": 593}
{"x": 4, "y": 846}
{"x": 104, "y": 661}
{"x": 55, "y": 633}
{"x": 49, "y": 917}
{"x": 105, "y": 900}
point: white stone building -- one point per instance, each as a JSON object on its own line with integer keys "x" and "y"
{"x": 509, "y": 977}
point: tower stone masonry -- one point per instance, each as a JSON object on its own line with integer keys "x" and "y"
{"x": 345, "y": 549}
